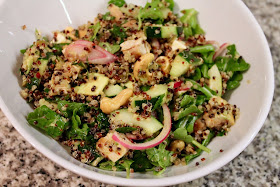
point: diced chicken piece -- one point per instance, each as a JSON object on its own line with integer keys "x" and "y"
{"x": 61, "y": 78}
{"x": 110, "y": 149}
{"x": 115, "y": 11}
{"x": 131, "y": 24}
{"x": 220, "y": 113}
{"x": 133, "y": 49}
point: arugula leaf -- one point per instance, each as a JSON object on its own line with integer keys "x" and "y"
{"x": 108, "y": 165}
{"x": 197, "y": 74}
{"x": 205, "y": 142}
{"x": 141, "y": 162}
{"x": 67, "y": 108}
{"x": 125, "y": 129}
{"x": 49, "y": 121}
{"x": 190, "y": 18}
{"x": 126, "y": 164}
{"x": 202, "y": 49}
{"x": 118, "y": 3}
{"x": 232, "y": 51}
{"x": 117, "y": 31}
{"x": 171, "y": 4}
{"x": 182, "y": 134}
{"x": 95, "y": 29}
{"x": 191, "y": 109}
{"x": 187, "y": 100}
{"x": 155, "y": 10}
{"x": 112, "y": 166}
{"x": 110, "y": 47}
{"x": 205, "y": 89}
{"x": 160, "y": 156}
{"x": 22, "y": 51}
{"x": 75, "y": 132}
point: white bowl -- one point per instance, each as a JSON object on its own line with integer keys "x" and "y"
{"x": 225, "y": 21}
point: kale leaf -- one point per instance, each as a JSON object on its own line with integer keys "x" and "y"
{"x": 159, "y": 156}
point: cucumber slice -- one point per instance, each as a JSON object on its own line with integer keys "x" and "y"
{"x": 215, "y": 81}
{"x": 169, "y": 32}
{"x": 179, "y": 67}
{"x": 94, "y": 86}
{"x": 113, "y": 90}
{"x": 43, "y": 66}
{"x": 129, "y": 84}
{"x": 163, "y": 31}
{"x": 158, "y": 94}
{"x": 150, "y": 125}
{"x": 182, "y": 63}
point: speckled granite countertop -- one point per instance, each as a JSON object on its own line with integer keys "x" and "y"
{"x": 22, "y": 165}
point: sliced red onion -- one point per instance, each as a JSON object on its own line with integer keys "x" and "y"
{"x": 160, "y": 138}
{"x": 177, "y": 84}
{"x": 87, "y": 51}
{"x": 220, "y": 50}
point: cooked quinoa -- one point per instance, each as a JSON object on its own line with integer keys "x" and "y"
{"x": 107, "y": 88}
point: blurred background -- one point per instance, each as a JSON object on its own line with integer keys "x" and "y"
{"x": 257, "y": 165}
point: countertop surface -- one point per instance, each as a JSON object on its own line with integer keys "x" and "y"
{"x": 257, "y": 165}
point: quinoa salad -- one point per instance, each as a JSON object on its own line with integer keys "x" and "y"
{"x": 137, "y": 89}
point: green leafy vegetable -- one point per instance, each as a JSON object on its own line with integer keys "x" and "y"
{"x": 102, "y": 120}
{"x": 67, "y": 108}
{"x": 191, "y": 109}
{"x": 118, "y": 3}
{"x": 22, "y": 51}
{"x": 197, "y": 74}
{"x": 190, "y": 18}
{"x": 49, "y": 121}
{"x": 125, "y": 129}
{"x": 182, "y": 134}
{"x": 110, "y": 47}
{"x": 145, "y": 88}
{"x": 141, "y": 162}
{"x": 204, "y": 70}
{"x": 118, "y": 32}
{"x": 75, "y": 132}
{"x": 202, "y": 49}
{"x": 108, "y": 16}
{"x": 57, "y": 48}
{"x": 190, "y": 57}
{"x": 108, "y": 165}
{"x": 155, "y": 10}
{"x": 126, "y": 164}
{"x": 187, "y": 100}
{"x": 95, "y": 29}
{"x": 34, "y": 82}
{"x": 160, "y": 156}
{"x": 171, "y": 4}
{"x": 205, "y": 142}
{"x": 205, "y": 89}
